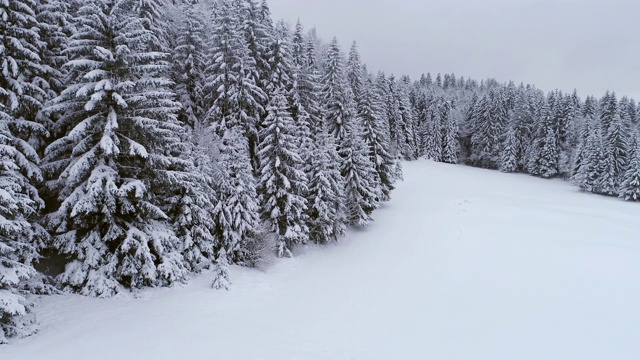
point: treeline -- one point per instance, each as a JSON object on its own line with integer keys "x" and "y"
{"x": 144, "y": 140}
{"x": 592, "y": 143}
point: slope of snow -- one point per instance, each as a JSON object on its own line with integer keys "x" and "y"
{"x": 463, "y": 263}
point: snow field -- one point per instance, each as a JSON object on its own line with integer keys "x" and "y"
{"x": 463, "y": 263}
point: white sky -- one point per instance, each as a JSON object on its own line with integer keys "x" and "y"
{"x": 589, "y": 45}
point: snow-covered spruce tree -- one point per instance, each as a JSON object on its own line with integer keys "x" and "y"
{"x": 547, "y": 162}
{"x": 361, "y": 191}
{"x": 608, "y": 107}
{"x": 20, "y": 238}
{"x": 299, "y": 46}
{"x": 21, "y": 91}
{"x": 55, "y": 24}
{"x": 192, "y": 214}
{"x": 389, "y": 112}
{"x": 405, "y": 121}
{"x": 450, "y": 143}
{"x": 387, "y": 90}
{"x": 335, "y": 96}
{"x": 618, "y": 139}
{"x": 483, "y": 138}
{"x": 521, "y": 122}
{"x": 234, "y": 98}
{"x": 509, "y": 152}
{"x": 281, "y": 64}
{"x": 606, "y": 182}
{"x": 568, "y": 133}
{"x": 281, "y": 184}
{"x": 258, "y": 31}
{"x": 237, "y": 212}
{"x": 221, "y": 272}
{"x": 326, "y": 210}
{"x": 355, "y": 76}
{"x": 114, "y": 163}
{"x": 587, "y": 124}
{"x": 432, "y": 130}
{"x": 544, "y": 160}
{"x": 376, "y": 136}
{"x": 588, "y": 173}
{"x": 630, "y": 185}
{"x": 189, "y": 63}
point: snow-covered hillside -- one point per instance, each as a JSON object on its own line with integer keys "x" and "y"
{"x": 463, "y": 263}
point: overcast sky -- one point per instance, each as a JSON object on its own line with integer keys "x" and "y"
{"x": 592, "y": 46}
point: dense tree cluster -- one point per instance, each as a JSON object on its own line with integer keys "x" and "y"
{"x": 145, "y": 140}
{"x": 592, "y": 143}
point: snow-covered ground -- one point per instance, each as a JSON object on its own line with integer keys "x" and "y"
{"x": 463, "y": 263}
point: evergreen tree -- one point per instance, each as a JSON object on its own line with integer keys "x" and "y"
{"x": 547, "y": 162}
{"x": 234, "y": 97}
{"x": 376, "y": 137}
{"x": 405, "y": 122}
{"x": 115, "y": 162}
{"x": 630, "y": 186}
{"x": 237, "y": 212}
{"x": 221, "y": 275}
{"x": 189, "y": 62}
{"x": 608, "y": 109}
{"x": 281, "y": 183}
{"x": 354, "y": 73}
{"x": 361, "y": 194}
{"x": 509, "y": 153}
{"x": 432, "y": 132}
{"x": 325, "y": 196}
{"x": 21, "y": 96}
{"x": 588, "y": 173}
{"x": 618, "y": 140}
{"x": 334, "y": 94}
{"x": 450, "y": 144}
{"x": 544, "y": 160}
{"x": 193, "y": 220}
{"x": 606, "y": 182}
{"x": 281, "y": 64}
{"x": 258, "y": 32}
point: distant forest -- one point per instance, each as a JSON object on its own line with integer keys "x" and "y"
{"x": 142, "y": 141}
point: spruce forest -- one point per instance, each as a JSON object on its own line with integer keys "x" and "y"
{"x": 142, "y": 141}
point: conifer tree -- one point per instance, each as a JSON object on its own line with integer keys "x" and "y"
{"x": 221, "y": 272}
{"x": 606, "y": 182}
{"x": 334, "y": 94}
{"x": 354, "y": 73}
{"x": 281, "y": 183}
{"x": 194, "y": 203}
{"x": 237, "y": 212}
{"x": 588, "y": 173}
{"x": 432, "y": 132}
{"x": 281, "y": 64}
{"x": 547, "y": 161}
{"x": 509, "y": 152}
{"x": 630, "y": 185}
{"x": 189, "y": 62}
{"x": 326, "y": 207}
{"x": 21, "y": 96}
{"x": 618, "y": 140}
{"x": 375, "y": 135}
{"x": 450, "y": 144}
{"x": 258, "y": 31}
{"x": 361, "y": 193}
{"x": 234, "y": 96}
{"x": 405, "y": 121}
{"x": 115, "y": 162}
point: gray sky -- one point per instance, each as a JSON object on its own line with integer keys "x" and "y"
{"x": 592, "y": 46}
